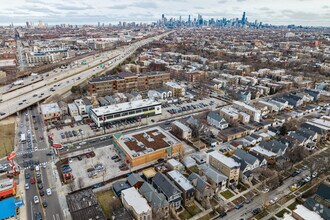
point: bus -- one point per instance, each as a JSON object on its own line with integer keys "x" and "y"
{"x": 23, "y": 138}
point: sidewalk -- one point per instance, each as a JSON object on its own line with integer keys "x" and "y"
{"x": 21, "y": 194}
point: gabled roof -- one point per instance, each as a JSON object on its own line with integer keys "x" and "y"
{"x": 134, "y": 178}
{"x": 246, "y": 157}
{"x": 215, "y": 116}
{"x": 212, "y": 173}
{"x": 297, "y": 137}
{"x": 322, "y": 210}
{"x": 198, "y": 182}
{"x": 155, "y": 199}
{"x": 273, "y": 146}
{"x": 166, "y": 185}
{"x": 324, "y": 192}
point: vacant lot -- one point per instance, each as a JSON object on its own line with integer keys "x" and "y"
{"x": 108, "y": 202}
{"x": 7, "y": 135}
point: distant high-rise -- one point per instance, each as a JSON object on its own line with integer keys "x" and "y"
{"x": 243, "y": 18}
{"x": 40, "y": 24}
{"x": 27, "y": 24}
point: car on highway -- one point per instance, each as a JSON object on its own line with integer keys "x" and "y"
{"x": 48, "y": 192}
{"x": 36, "y": 199}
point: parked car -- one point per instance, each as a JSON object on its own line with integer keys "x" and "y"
{"x": 238, "y": 206}
{"x": 44, "y": 203}
{"x": 41, "y": 192}
{"x": 27, "y": 186}
{"x": 36, "y": 199}
{"x": 38, "y": 215}
{"x": 256, "y": 211}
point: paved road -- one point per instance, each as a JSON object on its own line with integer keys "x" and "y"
{"x": 246, "y": 211}
{"x": 39, "y": 150}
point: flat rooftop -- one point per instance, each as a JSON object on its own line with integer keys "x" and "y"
{"x": 180, "y": 180}
{"x": 8, "y": 62}
{"x": 144, "y": 141}
{"x": 49, "y": 108}
{"x": 125, "y": 106}
{"x": 228, "y": 161}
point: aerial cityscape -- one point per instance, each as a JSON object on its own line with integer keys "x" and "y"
{"x": 165, "y": 110}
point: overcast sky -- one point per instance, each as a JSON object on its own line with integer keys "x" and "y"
{"x": 304, "y": 12}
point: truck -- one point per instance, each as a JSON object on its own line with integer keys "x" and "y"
{"x": 23, "y": 138}
{"x": 18, "y": 82}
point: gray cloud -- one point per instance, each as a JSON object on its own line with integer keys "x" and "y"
{"x": 198, "y": 7}
{"x": 222, "y": 1}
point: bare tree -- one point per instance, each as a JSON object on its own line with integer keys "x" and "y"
{"x": 80, "y": 182}
{"x": 72, "y": 185}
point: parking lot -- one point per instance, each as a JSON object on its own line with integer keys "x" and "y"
{"x": 98, "y": 168}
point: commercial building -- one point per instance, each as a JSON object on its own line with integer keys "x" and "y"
{"x": 51, "y": 112}
{"x": 8, "y": 188}
{"x": 127, "y": 82}
{"x": 138, "y": 108}
{"x": 226, "y": 165}
{"x": 146, "y": 145}
{"x": 136, "y": 204}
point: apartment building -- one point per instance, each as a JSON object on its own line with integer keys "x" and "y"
{"x": 230, "y": 114}
{"x": 50, "y": 112}
{"x": 253, "y": 112}
{"x": 127, "y": 82}
{"x": 226, "y": 165}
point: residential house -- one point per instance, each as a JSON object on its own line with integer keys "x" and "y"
{"x": 226, "y": 165}
{"x": 214, "y": 119}
{"x": 274, "y": 146}
{"x": 119, "y": 186}
{"x": 164, "y": 185}
{"x": 314, "y": 93}
{"x": 322, "y": 195}
{"x": 159, "y": 205}
{"x": 135, "y": 180}
{"x": 203, "y": 189}
{"x": 188, "y": 191}
{"x": 248, "y": 163}
{"x": 253, "y": 112}
{"x": 244, "y": 96}
{"x": 181, "y": 130}
{"x": 293, "y": 100}
{"x": 173, "y": 164}
{"x": 216, "y": 179}
{"x": 136, "y": 204}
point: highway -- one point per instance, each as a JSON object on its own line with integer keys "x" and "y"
{"x": 61, "y": 82}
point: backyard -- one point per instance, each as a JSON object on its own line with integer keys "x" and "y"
{"x": 108, "y": 202}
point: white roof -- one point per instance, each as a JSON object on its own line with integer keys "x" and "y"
{"x": 180, "y": 180}
{"x": 134, "y": 199}
{"x": 305, "y": 213}
{"x": 242, "y": 104}
{"x": 50, "y": 108}
{"x": 174, "y": 162}
{"x": 173, "y": 84}
{"x": 323, "y": 121}
{"x": 230, "y": 162}
{"x": 183, "y": 127}
{"x": 9, "y": 62}
{"x": 263, "y": 151}
{"x": 230, "y": 111}
{"x": 104, "y": 110}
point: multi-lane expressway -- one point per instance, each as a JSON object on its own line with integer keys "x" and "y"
{"x": 61, "y": 82}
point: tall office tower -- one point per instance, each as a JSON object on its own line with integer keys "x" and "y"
{"x": 40, "y": 24}
{"x": 32, "y": 24}
{"x": 243, "y": 18}
{"x": 98, "y": 24}
{"x": 27, "y": 25}
{"x": 46, "y": 25}
{"x": 189, "y": 22}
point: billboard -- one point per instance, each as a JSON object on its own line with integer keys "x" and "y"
{"x": 57, "y": 146}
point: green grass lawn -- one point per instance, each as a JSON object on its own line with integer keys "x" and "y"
{"x": 184, "y": 215}
{"x": 292, "y": 206}
{"x": 261, "y": 215}
{"x": 227, "y": 194}
{"x": 193, "y": 209}
{"x": 280, "y": 214}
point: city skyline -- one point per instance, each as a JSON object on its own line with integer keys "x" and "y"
{"x": 298, "y": 12}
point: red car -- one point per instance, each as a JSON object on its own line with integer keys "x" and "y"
{"x": 32, "y": 180}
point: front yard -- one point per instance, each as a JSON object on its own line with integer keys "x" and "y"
{"x": 227, "y": 194}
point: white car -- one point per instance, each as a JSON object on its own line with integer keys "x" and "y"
{"x": 48, "y": 192}
{"x": 272, "y": 201}
{"x": 27, "y": 186}
{"x": 314, "y": 174}
{"x": 307, "y": 179}
{"x": 36, "y": 199}
{"x": 70, "y": 160}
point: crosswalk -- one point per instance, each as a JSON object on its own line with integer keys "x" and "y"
{"x": 26, "y": 168}
{"x": 33, "y": 150}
